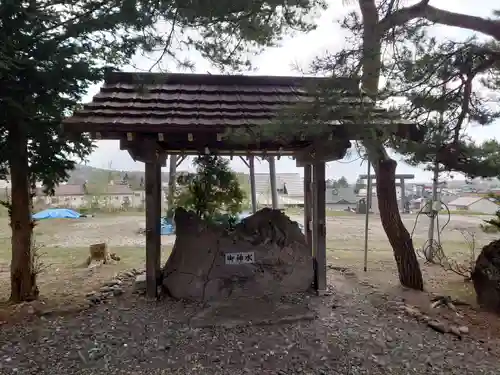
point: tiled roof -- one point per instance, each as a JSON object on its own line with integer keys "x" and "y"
{"x": 465, "y": 201}
{"x": 153, "y": 101}
{"x": 210, "y": 105}
{"x": 65, "y": 190}
{"x": 293, "y": 182}
{"x": 340, "y": 196}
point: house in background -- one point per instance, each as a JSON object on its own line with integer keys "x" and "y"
{"x": 115, "y": 197}
{"x": 418, "y": 204}
{"x": 283, "y": 201}
{"x": 65, "y": 195}
{"x": 139, "y": 198}
{"x": 289, "y": 186}
{"x": 362, "y": 194}
{"x": 474, "y": 204}
{"x": 340, "y": 199}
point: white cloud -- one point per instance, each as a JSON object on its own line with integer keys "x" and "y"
{"x": 299, "y": 50}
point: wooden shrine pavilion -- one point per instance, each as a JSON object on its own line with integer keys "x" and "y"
{"x": 155, "y": 115}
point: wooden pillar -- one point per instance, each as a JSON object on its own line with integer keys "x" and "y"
{"x": 319, "y": 228}
{"x": 403, "y": 194}
{"x": 153, "y": 223}
{"x": 253, "y": 191}
{"x": 171, "y": 184}
{"x": 308, "y": 205}
{"x": 272, "y": 179}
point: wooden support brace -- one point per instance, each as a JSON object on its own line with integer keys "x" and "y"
{"x": 319, "y": 227}
{"x": 153, "y": 224}
{"x": 253, "y": 190}
{"x": 245, "y": 161}
{"x": 180, "y": 159}
{"x": 146, "y": 150}
{"x": 308, "y": 202}
{"x": 323, "y": 151}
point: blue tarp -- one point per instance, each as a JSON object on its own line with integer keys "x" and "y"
{"x": 166, "y": 227}
{"x": 57, "y": 213}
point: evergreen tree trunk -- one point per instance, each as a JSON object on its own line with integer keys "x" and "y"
{"x": 409, "y": 271}
{"x": 23, "y": 275}
{"x": 399, "y": 238}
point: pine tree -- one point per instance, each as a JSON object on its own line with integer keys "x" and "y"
{"x": 213, "y": 191}
{"x": 51, "y": 52}
{"x": 444, "y": 91}
{"x": 377, "y": 31}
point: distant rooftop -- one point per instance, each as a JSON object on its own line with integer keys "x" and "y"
{"x": 465, "y": 201}
{"x": 340, "y": 196}
{"x": 291, "y": 182}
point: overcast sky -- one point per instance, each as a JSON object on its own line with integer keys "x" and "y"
{"x": 299, "y": 50}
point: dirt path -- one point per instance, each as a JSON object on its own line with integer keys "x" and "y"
{"x": 356, "y": 332}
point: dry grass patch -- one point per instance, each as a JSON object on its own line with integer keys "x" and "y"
{"x": 66, "y": 279}
{"x": 382, "y": 271}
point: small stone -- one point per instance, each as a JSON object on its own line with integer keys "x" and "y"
{"x": 117, "y": 291}
{"x": 94, "y": 299}
{"x": 456, "y": 331}
{"x": 425, "y": 318}
{"x": 463, "y": 329}
{"x": 112, "y": 282}
{"x": 437, "y": 326}
{"x": 30, "y": 310}
{"x": 106, "y": 289}
{"x": 90, "y": 294}
{"x": 412, "y": 311}
{"x": 140, "y": 283}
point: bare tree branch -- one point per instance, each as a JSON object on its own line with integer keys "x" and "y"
{"x": 424, "y": 10}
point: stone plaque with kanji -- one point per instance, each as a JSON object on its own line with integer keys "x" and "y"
{"x": 240, "y": 258}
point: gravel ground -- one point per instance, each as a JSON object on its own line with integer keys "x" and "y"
{"x": 352, "y": 335}
{"x": 129, "y": 335}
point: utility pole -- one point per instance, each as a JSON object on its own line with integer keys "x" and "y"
{"x": 429, "y": 250}
{"x": 367, "y": 213}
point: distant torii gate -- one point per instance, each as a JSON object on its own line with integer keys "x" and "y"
{"x": 401, "y": 177}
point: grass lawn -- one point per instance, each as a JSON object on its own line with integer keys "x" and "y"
{"x": 66, "y": 279}
{"x": 64, "y": 273}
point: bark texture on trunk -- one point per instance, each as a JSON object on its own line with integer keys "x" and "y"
{"x": 399, "y": 237}
{"x": 23, "y": 273}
